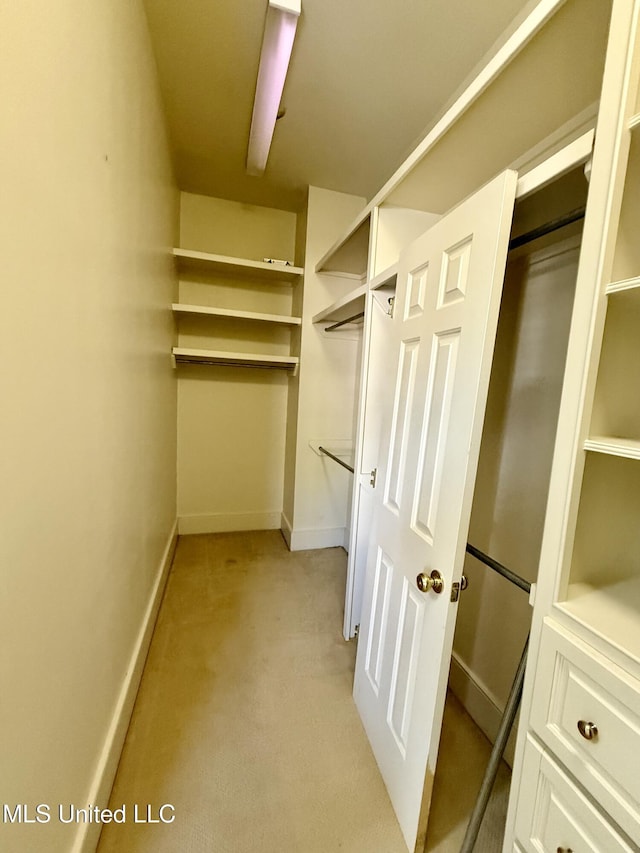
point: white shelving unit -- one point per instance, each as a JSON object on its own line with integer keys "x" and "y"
{"x": 581, "y": 702}
{"x": 211, "y": 270}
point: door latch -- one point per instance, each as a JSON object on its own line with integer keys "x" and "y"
{"x": 457, "y": 588}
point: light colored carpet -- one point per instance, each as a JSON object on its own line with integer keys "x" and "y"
{"x": 462, "y": 759}
{"x": 245, "y": 723}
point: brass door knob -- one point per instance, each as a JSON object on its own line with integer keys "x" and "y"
{"x": 432, "y": 582}
{"x": 589, "y": 731}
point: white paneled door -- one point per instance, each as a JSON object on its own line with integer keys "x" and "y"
{"x": 444, "y": 326}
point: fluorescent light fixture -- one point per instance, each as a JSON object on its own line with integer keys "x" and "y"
{"x": 277, "y": 44}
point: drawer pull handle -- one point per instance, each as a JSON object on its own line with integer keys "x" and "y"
{"x": 589, "y": 731}
{"x": 564, "y": 850}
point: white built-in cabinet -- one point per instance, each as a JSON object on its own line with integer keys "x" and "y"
{"x": 534, "y": 108}
{"x": 576, "y": 782}
{"x": 199, "y": 321}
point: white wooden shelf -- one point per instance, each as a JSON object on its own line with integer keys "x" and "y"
{"x": 612, "y": 612}
{"x": 385, "y": 278}
{"x": 634, "y": 122}
{"x": 189, "y": 259}
{"x": 612, "y": 446}
{"x": 621, "y": 286}
{"x": 348, "y": 305}
{"x": 185, "y": 355}
{"x": 204, "y": 310}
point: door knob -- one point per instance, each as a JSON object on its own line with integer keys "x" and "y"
{"x": 588, "y": 730}
{"x": 431, "y": 582}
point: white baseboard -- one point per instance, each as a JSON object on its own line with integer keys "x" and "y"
{"x": 478, "y": 701}
{"x": 346, "y": 538}
{"x": 87, "y": 835}
{"x": 286, "y": 530}
{"x": 228, "y": 522}
{"x": 306, "y": 540}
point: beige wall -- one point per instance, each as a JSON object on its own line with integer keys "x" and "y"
{"x": 513, "y": 475}
{"x": 87, "y": 431}
{"x": 318, "y": 490}
{"x": 232, "y": 420}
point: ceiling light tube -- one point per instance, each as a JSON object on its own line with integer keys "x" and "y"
{"x": 277, "y": 44}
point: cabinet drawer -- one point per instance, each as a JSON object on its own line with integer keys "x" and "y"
{"x": 577, "y": 689}
{"x": 553, "y": 815}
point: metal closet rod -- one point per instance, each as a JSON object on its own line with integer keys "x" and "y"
{"x": 508, "y": 716}
{"x": 548, "y": 227}
{"x": 336, "y": 459}
{"x": 498, "y": 567}
{"x": 344, "y": 322}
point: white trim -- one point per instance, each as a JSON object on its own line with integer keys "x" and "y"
{"x": 346, "y": 540}
{"x": 87, "y": 833}
{"x": 625, "y": 284}
{"x": 228, "y": 522}
{"x": 479, "y": 702}
{"x": 556, "y": 165}
{"x": 308, "y": 540}
{"x": 285, "y": 529}
{"x": 628, "y": 448}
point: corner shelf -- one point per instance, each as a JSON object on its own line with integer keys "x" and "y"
{"x": 214, "y": 267}
{"x": 185, "y": 355}
{"x": 207, "y": 262}
{"x": 180, "y": 308}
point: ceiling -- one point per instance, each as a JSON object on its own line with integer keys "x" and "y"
{"x": 366, "y": 78}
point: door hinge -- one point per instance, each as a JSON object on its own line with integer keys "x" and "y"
{"x": 391, "y": 304}
{"x": 372, "y": 477}
{"x": 457, "y": 588}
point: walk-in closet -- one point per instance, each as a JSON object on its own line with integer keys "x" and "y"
{"x": 321, "y": 493}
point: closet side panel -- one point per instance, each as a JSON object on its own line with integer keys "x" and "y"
{"x": 326, "y": 388}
